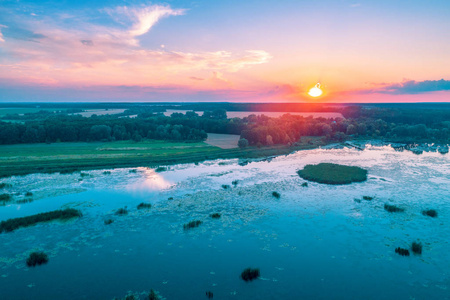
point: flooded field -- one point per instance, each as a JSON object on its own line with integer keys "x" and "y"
{"x": 317, "y": 241}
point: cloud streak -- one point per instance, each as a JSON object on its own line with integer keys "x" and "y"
{"x": 409, "y": 87}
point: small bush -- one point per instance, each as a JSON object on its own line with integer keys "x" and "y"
{"x": 37, "y": 258}
{"x": 133, "y": 171}
{"x": 28, "y": 194}
{"x": 5, "y": 185}
{"x": 144, "y": 206}
{"x": 153, "y": 295}
{"x": 84, "y": 174}
{"x": 304, "y": 184}
{"x": 235, "y": 182}
{"x": 276, "y": 195}
{"x": 170, "y": 198}
{"x": 209, "y": 294}
{"x": 392, "y": 208}
{"x": 402, "y": 251}
{"x": 430, "y": 212}
{"x": 160, "y": 169}
{"x": 225, "y": 186}
{"x": 122, "y": 211}
{"x": 106, "y": 172}
{"x": 367, "y": 198}
{"x": 192, "y": 224}
{"x": 215, "y": 215}
{"x": 109, "y": 221}
{"x": 416, "y": 248}
{"x": 250, "y": 274}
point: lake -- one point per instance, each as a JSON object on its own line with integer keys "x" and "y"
{"x": 312, "y": 242}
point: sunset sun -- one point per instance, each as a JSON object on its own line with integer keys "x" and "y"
{"x": 315, "y": 91}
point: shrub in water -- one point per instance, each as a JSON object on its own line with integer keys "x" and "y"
{"x": 276, "y": 195}
{"x": 402, "y": 251}
{"x": 393, "y": 208}
{"x": 28, "y": 194}
{"x": 192, "y": 224}
{"x": 304, "y": 184}
{"x": 170, "y": 198}
{"x": 225, "y": 186}
{"x": 122, "y": 211}
{"x": 430, "y": 212}
{"x": 416, "y": 248}
{"x": 5, "y": 197}
{"x": 333, "y": 173}
{"x": 160, "y": 169}
{"x": 209, "y": 294}
{"x": 235, "y": 182}
{"x": 153, "y": 295}
{"x": 5, "y": 185}
{"x": 250, "y": 274}
{"x": 367, "y": 198}
{"x": 107, "y": 172}
{"x": 144, "y": 206}
{"x": 215, "y": 215}
{"x": 13, "y": 224}
{"x": 133, "y": 171}
{"x": 37, "y": 258}
{"x": 109, "y": 221}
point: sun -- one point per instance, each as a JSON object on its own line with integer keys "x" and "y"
{"x": 315, "y": 91}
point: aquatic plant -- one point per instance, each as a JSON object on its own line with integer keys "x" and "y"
{"x": 84, "y": 174}
{"x": 402, "y": 251}
{"x": 160, "y": 169}
{"x": 153, "y": 295}
{"x": 329, "y": 173}
{"x": 170, "y": 198}
{"x": 430, "y": 212}
{"x": 5, "y": 197}
{"x": 276, "y": 195}
{"x": 416, "y": 248}
{"x": 215, "y": 215}
{"x": 109, "y": 221}
{"x": 133, "y": 171}
{"x": 144, "y": 206}
{"x": 106, "y": 172}
{"x": 69, "y": 171}
{"x": 5, "y": 185}
{"x": 250, "y": 274}
{"x": 122, "y": 211}
{"x": 393, "y": 208}
{"x": 368, "y": 198}
{"x": 28, "y": 194}
{"x": 13, "y": 224}
{"x": 235, "y": 183}
{"x": 37, "y": 258}
{"x": 357, "y": 200}
{"x": 304, "y": 184}
{"x": 225, "y": 186}
{"x": 192, "y": 224}
{"x": 209, "y": 294}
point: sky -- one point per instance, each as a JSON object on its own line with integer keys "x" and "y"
{"x": 229, "y": 50}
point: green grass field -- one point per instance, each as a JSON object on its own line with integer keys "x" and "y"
{"x": 22, "y": 159}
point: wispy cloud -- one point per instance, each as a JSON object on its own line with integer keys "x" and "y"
{"x": 1, "y": 35}
{"x": 409, "y": 87}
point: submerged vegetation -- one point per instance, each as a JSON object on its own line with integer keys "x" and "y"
{"x": 122, "y": 211}
{"x": 402, "y": 251}
{"x": 416, "y": 248}
{"x": 153, "y": 295}
{"x": 250, "y": 274}
{"x": 276, "y": 195}
{"x": 209, "y": 294}
{"x": 109, "y": 221}
{"x": 160, "y": 169}
{"x": 13, "y": 224}
{"x": 368, "y": 198}
{"x": 5, "y": 185}
{"x": 215, "y": 215}
{"x": 144, "y": 205}
{"x": 304, "y": 184}
{"x": 5, "y": 197}
{"x": 430, "y": 212}
{"x": 225, "y": 186}
{"x": 192, "y": 224}
{"x": 329, "y": 173}
{"x": 392, "y": 208}
{"x": 37, "y": 258}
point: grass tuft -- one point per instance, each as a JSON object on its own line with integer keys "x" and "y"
{"x": 430, "y": 212}
{"x": 160, "y": 169}
{"x": 276, "y": 195}
{"x": 416, "y": 248}
{"x": 109, "y": 221}
{"x": 368, "y": 198}
{"x": 37, "y": 258}
{"x": 209, "y": 294}
{"x": 304, "y": 184}
{"x": 225, "y": 186}
{"x": 215, "y": 215}
{"x": 392, "y": 208}
{"x": 250, "y": 274}
{"x": 402, "y": 251}
{"x": 5, "y": 185}
{"x": 144, "y": 206}
{"x": 192, "y": 224}
{"x": 153, "y": 295}
{"x": 122, "y": 211}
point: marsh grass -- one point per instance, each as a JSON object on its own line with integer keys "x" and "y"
{"x": 225, "y": 186}
{"x": 392, "y": 208}
{"x": 160, "y": 169}
{"x": 430, "y": 212}
{"x": 276, "y": 195}
{"x": 106, "y": 172}
{"x": 368, "y": 198}
{"x": 416, "y": 248}
{"x": 144, "y": 206}
{"x": 192, "y": 224}
{"x": 13, "y": 224}
{"x": 215, "y": 215}
{"x": 329, "y": 173}
{"x": 304, "y": 184}
{"x": 5, "y": 197}
{"x": 132, "y": 171}
{"x": 402, "y": 251}
{"x": 235, "y": 183}
{"x": 37, "y": 258}
{"x": 28, "y": 194}
{"x": 109, "y": 221}
{"x": 5, "y": 185}
{"x": 250, "y": 274}
{"x": 122, "y": 211}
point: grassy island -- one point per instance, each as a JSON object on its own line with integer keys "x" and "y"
{"x": 329, "y": 173}
{"x": 37, "y": 258}
{"x": 13, "y": 224}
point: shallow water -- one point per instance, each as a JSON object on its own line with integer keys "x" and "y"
{"x": 313, "y": 242}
